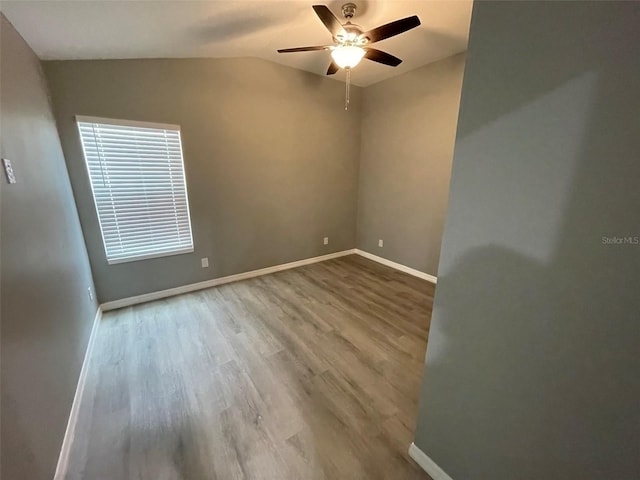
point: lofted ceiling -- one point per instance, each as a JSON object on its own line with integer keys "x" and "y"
{"x": 99, "y": 29}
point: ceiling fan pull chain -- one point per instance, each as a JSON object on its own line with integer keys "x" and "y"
{"x": 348, "y": 85}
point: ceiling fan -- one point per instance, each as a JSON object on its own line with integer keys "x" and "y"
{"x": 352, "y": 43}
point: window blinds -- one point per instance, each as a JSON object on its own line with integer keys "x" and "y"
{"x": 137, "y": 178}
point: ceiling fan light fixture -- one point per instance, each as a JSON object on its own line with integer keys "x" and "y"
{"x": 347, "y": 56}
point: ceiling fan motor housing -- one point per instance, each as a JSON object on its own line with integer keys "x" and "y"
{"x": 353, "y": 35}
{"x": 353, "y": 32}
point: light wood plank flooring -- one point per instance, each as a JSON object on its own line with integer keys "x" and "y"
{"x": 311, "y": 373}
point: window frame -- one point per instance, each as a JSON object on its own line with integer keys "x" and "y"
{"x": 134, "y": 123}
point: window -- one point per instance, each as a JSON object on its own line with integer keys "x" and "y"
{"x": 137, "y": 178}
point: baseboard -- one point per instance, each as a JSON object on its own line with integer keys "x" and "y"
{"x": 147, "y": 297}
{"x": 428, "y": 465}
{"x": 63, "y": 459}
{"x": 398, "y": 266}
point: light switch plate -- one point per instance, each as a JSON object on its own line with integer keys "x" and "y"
{"x": 204, "y": 262}
{"x": 8, "y": 170}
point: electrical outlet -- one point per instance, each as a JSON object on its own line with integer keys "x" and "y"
{"x": 205, "y": 262}
{"x": 381, "y": 243}
{"x": 326, "y": 240}
{"x": 90, "y": 293}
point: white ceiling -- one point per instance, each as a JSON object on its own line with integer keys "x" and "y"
{"x": 98, "y": 29}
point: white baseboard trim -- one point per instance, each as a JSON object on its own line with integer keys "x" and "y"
{"x": 428, "y": 465}
{"x": 398, "y": 266}
{"x": 63, "y": 459}
{"x": 147, "y": 297}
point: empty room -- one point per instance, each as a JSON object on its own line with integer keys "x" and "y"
{"x": 290, "y": 240}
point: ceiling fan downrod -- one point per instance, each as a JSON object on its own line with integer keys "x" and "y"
{"x": 348, "y": 10}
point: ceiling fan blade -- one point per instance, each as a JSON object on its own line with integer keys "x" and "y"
{"x": 301, "y": 49}
{"x": 333, "y": 68}
{"x": 382, "y": 57}
{"x": 391, "y": 29}
{"x": 329, "y": 19}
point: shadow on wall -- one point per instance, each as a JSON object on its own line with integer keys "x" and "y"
{"x": 532, "y": 363}
{"x": 20, "y": 445}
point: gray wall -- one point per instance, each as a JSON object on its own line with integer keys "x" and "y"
{"x": 408, "y": 132}
{"x": 46, "y": 312}
{"x": 270, "y": 155}
{"x": 532, "y": 367}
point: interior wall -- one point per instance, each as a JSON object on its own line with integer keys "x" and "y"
{"x": 271, "y": 160}
{"x": 408, "y": 132}
{"x": 45, "y": 307}
{"x": 532, "y": 363}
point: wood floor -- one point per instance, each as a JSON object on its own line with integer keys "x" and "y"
{"x": 311, "y": 373}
